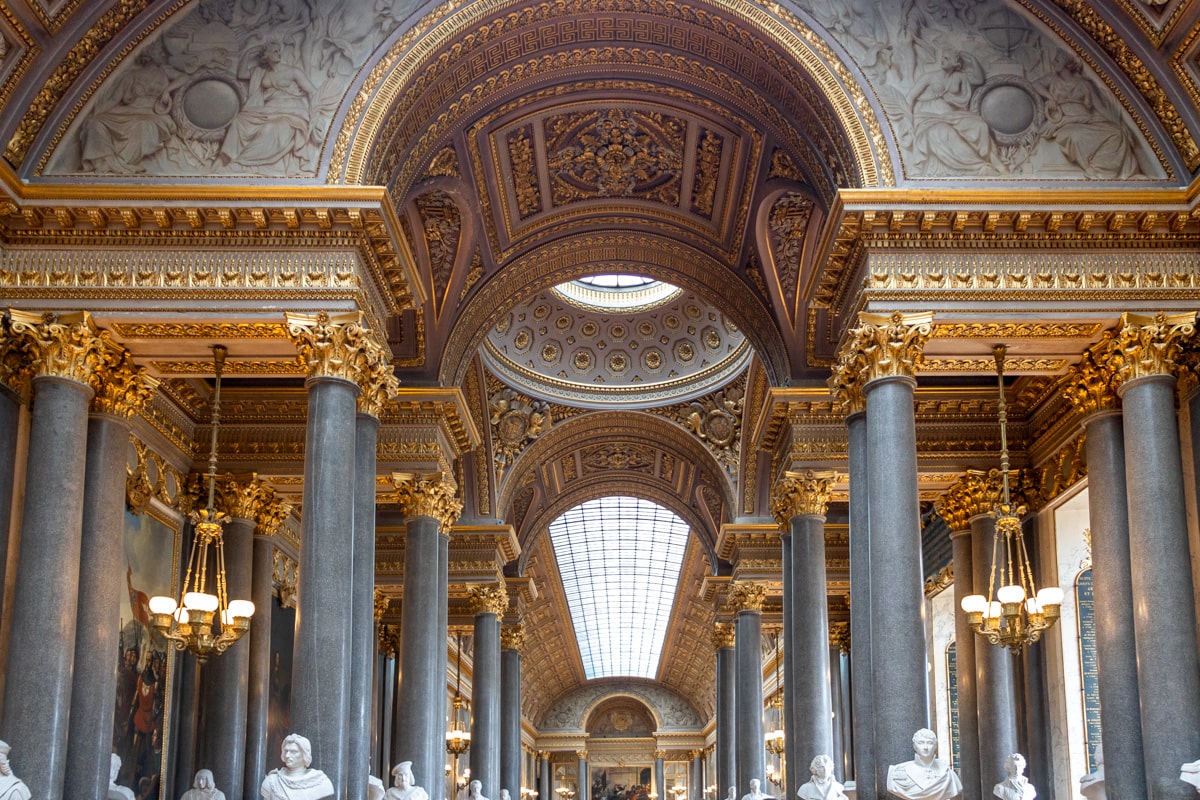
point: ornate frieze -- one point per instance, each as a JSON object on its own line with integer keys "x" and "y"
{"x": 1149, "y": 345}
{"x": 801, "y": 494}
{"x": 745, "y": 596}
{"x": 428, "y": 496}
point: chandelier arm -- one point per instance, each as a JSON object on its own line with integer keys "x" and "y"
{"x": 992, "y": 571}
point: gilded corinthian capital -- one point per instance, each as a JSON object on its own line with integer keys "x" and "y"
{"x": 1150, "y": 345}
{"x": 845, "y": 382}
{"x": 977, "y": 492}
{"x": 887, "y": 346}
{"x": 747, "y": 596}
{"x": 241, "y": 497}
{"x": 332, "y": 345}
{"x": 121, "y": 387}
{"x": 512, "y": 637}
{"x": 798, "y": 494}
{"x": 428, "y": 496}
{"x": 62, "y": 346}
{"x": 488, "y": 599}
{"x": 722, "y": 635}
{"x": 270, "y": 513}
{"x": 1091, "y": 384}
{"x": 377, "y": 380}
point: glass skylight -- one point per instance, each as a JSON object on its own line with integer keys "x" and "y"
{"x": 617, "y": 281}
{"x": 619, "y": 558}
{"x": 617, "y": 292}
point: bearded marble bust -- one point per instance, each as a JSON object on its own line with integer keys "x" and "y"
{"x": 296, "y": 781}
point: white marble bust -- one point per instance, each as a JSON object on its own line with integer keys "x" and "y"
{"x": 731, "y": 794}
{"x": 756, "y": 792}
{"x": 925, "y": 777}
{"x": 1015, "y": 785}
{"x": 1091, "y": 785}
{"x": 204, "y": 787}
{"x": 116, "y": 792}
{"x": 404, "y": 788}
{"x": 11, "y": 787}
{"x": 375, "y": 788}
{"x": 475, "y": 790}
{"x": 1190, "y": 773}
{"x": 296, "y": 781}
{"x": 822, "y": 785}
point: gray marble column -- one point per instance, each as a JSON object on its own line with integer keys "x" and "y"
{"x": 1112, "y": 582}
{"x": 789, "y": 658}
{"x": 387, "y": 703}
{"x": 489, "y": 604}
{"x": 511, "y": 639}
{"x": 901, "y": 691}
{"x": 659, "y": 778}
{"x": 726, "y": 723}
{"x": 1160, "y": 567}
{"x": 225, "y": 683}
{"x": 862, "y": 690}
{"x": 582, "y": 780}
{"x": 440, "y": 653}
{"x": 186, "y": 723}
{"x": 320, "y": 680}
{"x": 839, "y": 657}
{"x": 545, "y": 788}
{"x": 10, "y": 423}
{"x": 258, "y": 687}
{"x": 751, "y": 748}
{"x": 995, "y": 691}
{"x": 41, "y": 648}
{"x": 362, "y": 600}
{"x": 696, "y": 777}
{"x": 97, "y": 633}
{"x": 964, "y": 647}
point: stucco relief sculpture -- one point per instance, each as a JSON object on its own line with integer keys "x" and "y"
{"x": 405, "y": 787}
{"x": 823, "y": 785}
{"x": 11, "y": 787}
{"x": 231, "y": 87}
{"x": 115, "y": 791}
{"x": 296, "y": 781}
{"x": 1190, "y": 773}
{"x": 1091, "y": 785}
{"x": 756, "y": 792}
{"x": 926, "y": 777}
{"x": 1015, "y": 785}
{"x": 204, "y": 787}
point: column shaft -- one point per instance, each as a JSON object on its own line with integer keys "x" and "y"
{"x": 321, "y": 680}
{"x": 862, "y": 690}
{"x": 659, "y": 779}
{"x": 727, "y": 776}
{"x": 751, "y": 748}
{"x": 418, "y": 738}
{"x": 362, "y": 601}
{"x": 258, "y": 761}
{"x": 791, "y": 681}
{"x": 10, "y": 424}
{"x": 41, "y": 651}
{"x": 964, "y": 646}
{"x": 581, "y": 778}
{"x": 995, "y": 692}
{"x": 510, "y": 725}
{"x": 545, "y": 790}
{"x": 697, "y": 779}
{"x": 226, "y": 676}
{"x": 440, "y": 655}
{"x": 1108, "y": 512}
{"x": 901, "y": 691}
{"x": 1160, "y": 567}
{"x": 485, "y": 704}
{"x": 97, "y": 633}
{"x": 813, "y": 711}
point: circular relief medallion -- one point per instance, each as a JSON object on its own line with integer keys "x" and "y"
{"x": 693, "y": 311}
{"x": 618, "y": 331}
{"x": 618, "y": 362}
{"x": 541, "y": 311}
{"x": 685, "y": 352}
{"x": 720, "y": 427}
{"x": 712, "y": 339}
{"x": 523, "y": 339}
{"x": 511, "y": 427}
{"x": 211, "y": 103}
{"x": 671, "y": 321}
{"x": 563, "y": 322}
{"x": 652, "y": 359}
{"x": 583, "y": 360}
{"x": 589, "y": 328}
{"x": 550, "y": 352}
{"x": 646, "y": 328}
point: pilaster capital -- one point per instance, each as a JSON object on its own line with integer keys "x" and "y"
{"x": 1091, "y": 384}
{"x": 332, "y": 345}
{"x": 270, "y": 513}
{"x": 798, "y": 494}
{"x": 722, "y": 635}
{"x": 488, "y": 599}
{"x": 61, "y": 346}
{"x": 241, "y": 497}
{"x": 377, "y": 380}
{"x": 381, "y": 602}
{"x": 747, "y": 596}
{"x": 844, "y": 382}
{"x": 889, "y": 345}
{"x": 1148, "y": 345}
{"x": 512, "y": 637}
{"x": 121, "y": 387}
{"x": 428, "y": 496}
{"x": 839, "y": 636}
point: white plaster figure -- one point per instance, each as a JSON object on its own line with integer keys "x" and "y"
{"x": 270, "y": 133}
{"x": 925, "y": 777}
{"x": 475, "y": 790}
{"x": 822, "y": 785}
{"x": 504, "y": 795}
{"x": 1015, "y": 785}
{"x": 1088, "y": 131}
{"x": 756, "y": 792}
{"x": 404, "y": 789}
{"x": 203, "y": 787}
{"x": 948, "y": 136}
{"x": 375, "y": 788}
{"x": 731, "y": 794}
{"x": 11, "y": 787}
{"x": 130, "y": 126}
{"x": 1190, "y": 773}
{"x": 296, "y": 781}
{"x": 116, "y": 792}
{"x": 1091, "y": 785}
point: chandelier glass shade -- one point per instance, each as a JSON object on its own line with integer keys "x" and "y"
{"x": 204, "y": 622}
{"x": 1016, "y": 612}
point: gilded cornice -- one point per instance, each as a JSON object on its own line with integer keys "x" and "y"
{"x": 888, "y": 345}
{"x": 200, "y": 330}
{"x": 801, "y": 494}
{"x": 121, "y": 387}
{"x": 1149, "y": 345}
{"x": 428, "y": 496}
{"x": 747, "y": 596}
{"x": 65, "y": 346}
{"x": 444, "y": 408}
{"x": 512, "y": 637}
{"x": 488, "y": 599}
{"x": 1091, "y": 384}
